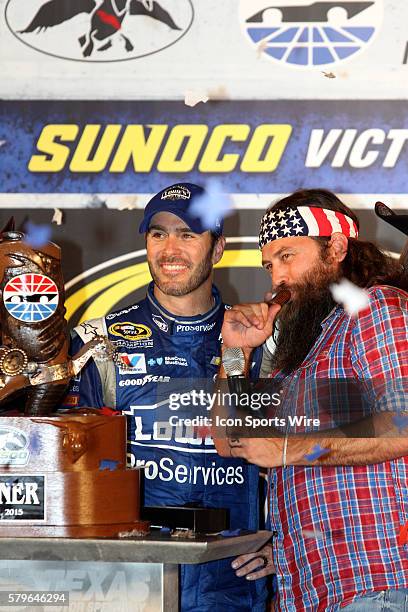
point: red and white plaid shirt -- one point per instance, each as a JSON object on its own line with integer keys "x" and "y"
{"x": 336, "y": 528}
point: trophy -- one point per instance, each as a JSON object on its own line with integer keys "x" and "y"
{"x": 61, "y": 474}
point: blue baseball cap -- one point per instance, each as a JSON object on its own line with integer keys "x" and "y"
{"x": 178, "y": 199}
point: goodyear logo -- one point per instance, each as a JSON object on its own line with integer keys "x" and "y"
{"x": 130, "y": 331}
{"x": 143, "y": 148}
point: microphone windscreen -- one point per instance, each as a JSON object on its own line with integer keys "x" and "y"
{"x": 234, "y": 362}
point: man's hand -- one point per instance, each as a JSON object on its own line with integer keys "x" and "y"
{"x": 248, "y": 325}
{"x": 265, "y": 452}
{"x": 255, "y": 565}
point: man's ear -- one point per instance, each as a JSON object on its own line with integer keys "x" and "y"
{"x": 338, "y": 246}
{"x": 218, "y": 250}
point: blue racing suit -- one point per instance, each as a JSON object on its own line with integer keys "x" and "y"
{"x": 158, "y": 353}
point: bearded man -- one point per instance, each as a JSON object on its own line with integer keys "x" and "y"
{"x": 338, "y": 505}
{"x": 171, "y": 340}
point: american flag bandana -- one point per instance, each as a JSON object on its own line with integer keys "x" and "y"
{"x": 304, "y": 221}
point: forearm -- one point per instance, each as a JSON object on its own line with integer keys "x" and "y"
{"x": 330, "y": 448}
{"x": 346, "y": 451}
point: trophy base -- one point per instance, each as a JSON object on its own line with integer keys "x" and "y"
{"x": 65, "y": 476}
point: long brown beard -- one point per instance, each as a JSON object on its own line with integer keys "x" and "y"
{"x": 299, "y": 322}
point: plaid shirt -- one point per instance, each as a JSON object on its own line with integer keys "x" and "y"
{"x": 355, "y": 512}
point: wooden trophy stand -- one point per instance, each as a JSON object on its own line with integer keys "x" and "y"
{"x": 66, "y": 476}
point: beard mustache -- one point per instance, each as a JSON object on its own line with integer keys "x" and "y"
{"x": 298, "y": 324}
{"x": 175, "y": 288}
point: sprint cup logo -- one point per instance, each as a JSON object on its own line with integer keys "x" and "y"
{"x": 130, "y": 331}
{"x": 13, "y": 446}
{"x": 99, "y": 30}
{"x": 309, "y": 34}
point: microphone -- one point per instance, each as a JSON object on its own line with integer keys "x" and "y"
{"x": 281, "y": 297}
{"x": 233, "y": 360}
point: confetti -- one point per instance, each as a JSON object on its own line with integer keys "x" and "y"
{"x": 57, "y": 216}
{"x": 2, "y": 142}
{"x": 350, "y": 296}
{"x": 128, "y": 203}
{"x": 193, "y": 97}
{"x": 96, "y": 202}
{"x": 329, "y": 75}
{"x": 317, "y": 452}
{"x": 219, "y": 93}
{"x": 108, "y": 464}
{"x": 403, "y": 535}
{"x": 131, "y": 534}
{"x": 203, "y": 431}
{"x": 400, "y": 421}
{"x": 230, "y": 533}
{"x": 212, "y": 206}
{"x": 312, "y": 533}
{"x": 261, "y": 47}
{"x": 36, "y": 235}
{"x": 35, "y": 444}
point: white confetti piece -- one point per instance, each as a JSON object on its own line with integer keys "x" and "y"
{"x": 219, "y": 93}
{"x": 263, "y": 45}
{"x": 128, "y": 203}
{"x": 57, "y": 216}
{"x": 352, "y": 298}
{"x": 2, "y": 142}
{"x": 193, "y": 97}
{"x": 312, "y": 533}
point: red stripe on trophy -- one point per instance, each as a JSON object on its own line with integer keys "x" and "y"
{"x": 109, "y": 19}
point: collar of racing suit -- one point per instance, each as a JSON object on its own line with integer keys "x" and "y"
{"x": 177, "y": 325}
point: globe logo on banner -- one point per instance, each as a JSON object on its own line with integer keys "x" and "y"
{"x": 311, "y": 34}
{"x": 31, "y": 297}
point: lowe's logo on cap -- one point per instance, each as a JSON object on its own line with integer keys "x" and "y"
{"x": 176, "y": 192}
{"x": 180, "y": 200}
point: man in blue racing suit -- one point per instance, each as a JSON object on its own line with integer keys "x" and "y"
{"x": 172, "y": 337}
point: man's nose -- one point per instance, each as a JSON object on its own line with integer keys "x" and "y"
{"x": 279, "y": 276}
{"x": 171, "y": 244}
